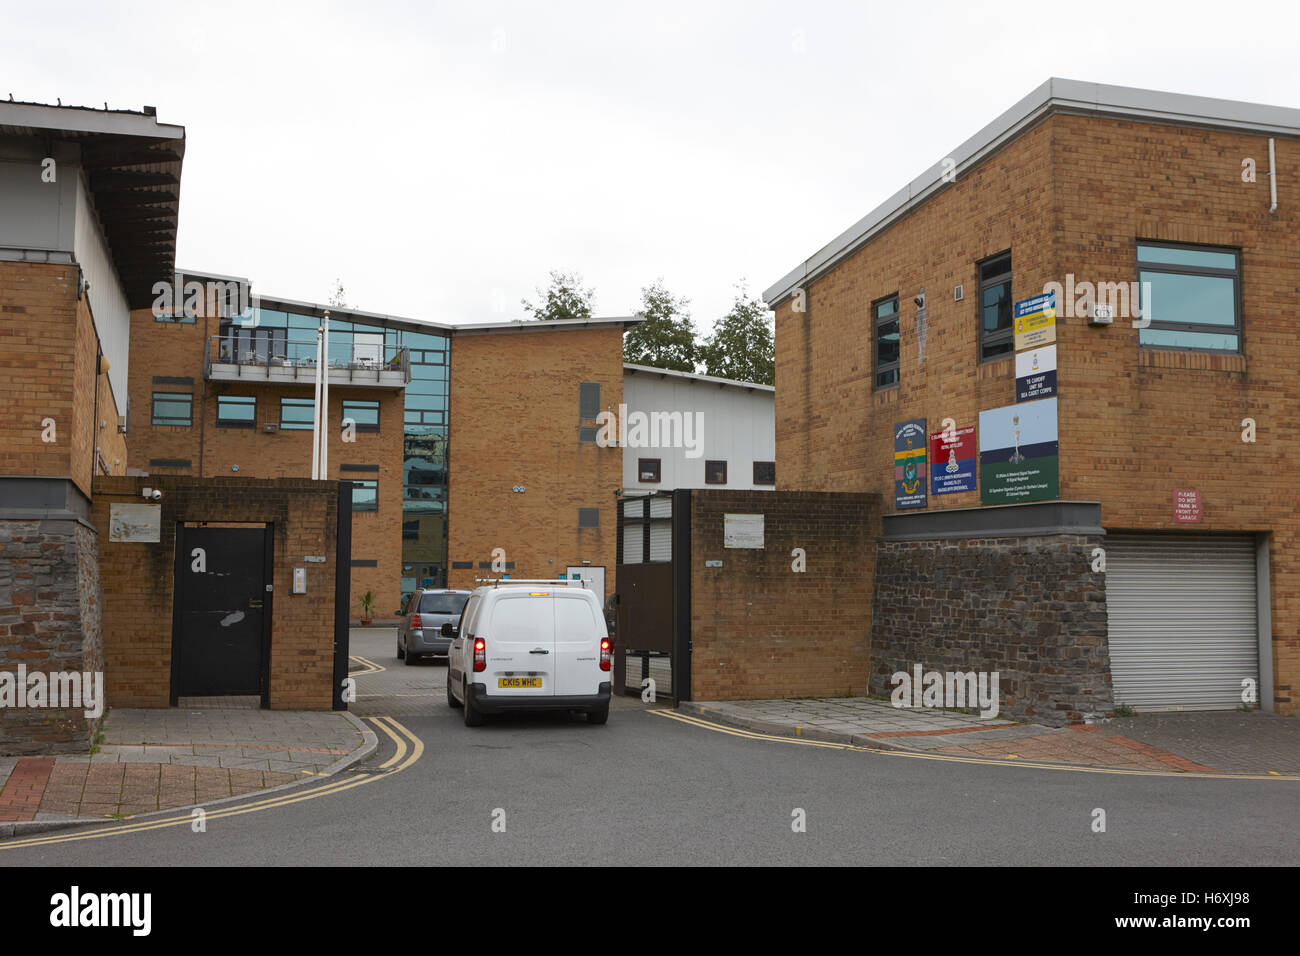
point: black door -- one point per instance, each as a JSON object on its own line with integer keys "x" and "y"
{"x": 222, "y": 606}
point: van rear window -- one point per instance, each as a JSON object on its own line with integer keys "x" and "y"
{"x": 442, "y": 603}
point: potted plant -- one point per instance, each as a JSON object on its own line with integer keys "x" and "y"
{"x": 367, "y": 606}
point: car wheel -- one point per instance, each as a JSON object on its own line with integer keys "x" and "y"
{"x": 410, "y": 659}
{"x": 400, "y": 653}
{"x": 598, "y": 716}
{"x": 473, "y": 716}
{"x": 451, "y": 698}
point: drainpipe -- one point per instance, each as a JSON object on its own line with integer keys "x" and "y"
{"x": 1272, "y": 178}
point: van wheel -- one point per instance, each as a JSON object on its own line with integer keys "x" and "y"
{"x": 598, "y": 716}
{"x": 473, "y": 716}
{"x": 451, "y": 698}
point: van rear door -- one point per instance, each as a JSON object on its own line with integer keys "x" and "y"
{"x": 520, "y": 648}
{"x": 578, "y": 631}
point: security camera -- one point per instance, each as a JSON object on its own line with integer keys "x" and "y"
{"x": 157, "y": 495}
{"x": 920, "y": 300}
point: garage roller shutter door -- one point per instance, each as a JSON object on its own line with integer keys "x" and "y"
{"x": 1182, "y": 620}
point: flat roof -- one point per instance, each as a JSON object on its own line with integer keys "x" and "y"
{"x": 133, "y": 168}
{"x": 345, "y": 314}
{"x": 695, "y": 376}
{"x": 1056, "y": 95}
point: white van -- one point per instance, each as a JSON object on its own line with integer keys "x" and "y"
{"x": 530, "y": 645}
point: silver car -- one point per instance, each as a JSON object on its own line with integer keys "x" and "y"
{"x": 420, "y": 632}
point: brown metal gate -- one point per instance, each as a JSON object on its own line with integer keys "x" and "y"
{"x": 652, "y": 633}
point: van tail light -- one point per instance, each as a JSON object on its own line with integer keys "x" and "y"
{"x": 480, "y": 654}
{"x": 606, "y": 653}
{"x": 415, "y": 622}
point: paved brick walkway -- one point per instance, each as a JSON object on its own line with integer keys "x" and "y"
{"x": 160, "y": 759}
{"x": 1231, "y": 742}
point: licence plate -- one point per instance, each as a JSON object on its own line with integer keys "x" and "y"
{"x": 519, "y": 682}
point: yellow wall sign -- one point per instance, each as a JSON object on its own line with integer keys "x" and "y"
{"x": 1035, "y": 321}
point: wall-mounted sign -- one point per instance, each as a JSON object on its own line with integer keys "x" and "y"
{"x": 1036, "y": 373}
{"x": 1019, "y": 453}
{"x": 1187, "y": 504}
{"x": 1035, "y": 321}
{"x": 952, "y": 461}
{"x": 139, "y": 524}
{"x": 742, "y": 531}
{"x": 909, "y": 464}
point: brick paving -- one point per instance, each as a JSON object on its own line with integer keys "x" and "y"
{"x": 1218, "y": 742}
{"x": 161, "y": 759}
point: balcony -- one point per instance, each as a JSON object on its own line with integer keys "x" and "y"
{"x": 277, "y": 362}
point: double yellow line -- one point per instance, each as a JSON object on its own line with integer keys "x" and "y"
{"x": 953, "y": 758}
{"x": 409, "y": 749}
{"x": 371, "y": 666}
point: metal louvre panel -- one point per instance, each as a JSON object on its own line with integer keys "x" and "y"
{"x": 661, "y": 540}
{"x": 1182, "y": 612}
{"x": 661, "y": 507}
{"x": 633, "y": 543}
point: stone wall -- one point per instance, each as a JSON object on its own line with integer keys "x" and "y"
{"x": 49, "y": 624}
{"x": 1029, "y": 608}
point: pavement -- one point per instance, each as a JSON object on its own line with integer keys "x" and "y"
{"x": 150, "y": 760}
{"x": 1221, "y": 742}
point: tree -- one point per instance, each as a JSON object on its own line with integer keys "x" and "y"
{"x": 338, "y": 298}
{"x": 565, "y": 299}
{"x": 666, "y": 339}
{"x": 741, "y": 345}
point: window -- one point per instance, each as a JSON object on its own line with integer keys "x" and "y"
{"x": 1195, "y": 296}
{"x": 715, "y": 472}
{"x": 887, "y": 334}
{"x": 764, "y": 472}
{"x": 365, "y": 495}
{"x": 173, "y": 408}
{"x": 433, "y": 603}
{"x": 365, "y": 414}
{"x": 647, "y": 469}
{"x": 297, "y": 414}
{"x": 236, "y": 411}
{"x": 588, "y": 518}
{"x": 588, "y": 401}
{"x": 997, "y": 338}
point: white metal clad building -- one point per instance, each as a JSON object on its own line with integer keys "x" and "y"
{"x": 721, "y": 421}
{"x": 1183, "y": 620}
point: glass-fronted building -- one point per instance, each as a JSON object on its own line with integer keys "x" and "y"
{"x": 281, "y": 332}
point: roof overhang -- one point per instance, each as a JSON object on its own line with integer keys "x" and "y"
{"x": 696, "y": 377}
{"x": 1053, "y": 96}
{"x": 133, "y": 169}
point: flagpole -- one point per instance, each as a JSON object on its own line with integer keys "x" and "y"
{"x": 325, "y": 406}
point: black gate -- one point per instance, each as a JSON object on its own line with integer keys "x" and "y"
{"x": 653, "y": 631}
{"x": 222, "y": 612}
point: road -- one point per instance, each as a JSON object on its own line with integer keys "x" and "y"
{"x": 647, "y": 789}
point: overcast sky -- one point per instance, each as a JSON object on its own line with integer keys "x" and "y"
{"x": 441, "y": 158}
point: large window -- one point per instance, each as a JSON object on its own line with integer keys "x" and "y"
{"x": 236, "y": 411}
{"x": 297, "y": 414}
{"x": 365, "y": 495}
{"x": 173, "y": 408}
{"x": 365, "y": 414}
{"x": 1194, "y": 296}
{"x": 887, "y": 340}
{"x": 997, "y": 338}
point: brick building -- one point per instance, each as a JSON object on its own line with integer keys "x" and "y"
{"x": 207, "y": 398}
{"x": 1136, "y": 444}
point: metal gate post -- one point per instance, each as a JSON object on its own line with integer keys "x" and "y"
{"x": 681, "y": 594}
{"x": 342, "y": 591}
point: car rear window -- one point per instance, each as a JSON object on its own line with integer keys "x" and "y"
{"x": 442, "y": 603}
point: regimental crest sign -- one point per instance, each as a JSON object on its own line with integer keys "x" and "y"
{"x": 1035, "y": 321}
{"x": 909, "y": 464}
{"x": 1019, "y": 453}
{"x": 952, "y": 461}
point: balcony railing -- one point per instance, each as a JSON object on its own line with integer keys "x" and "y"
{"x": 241, "y": 358}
